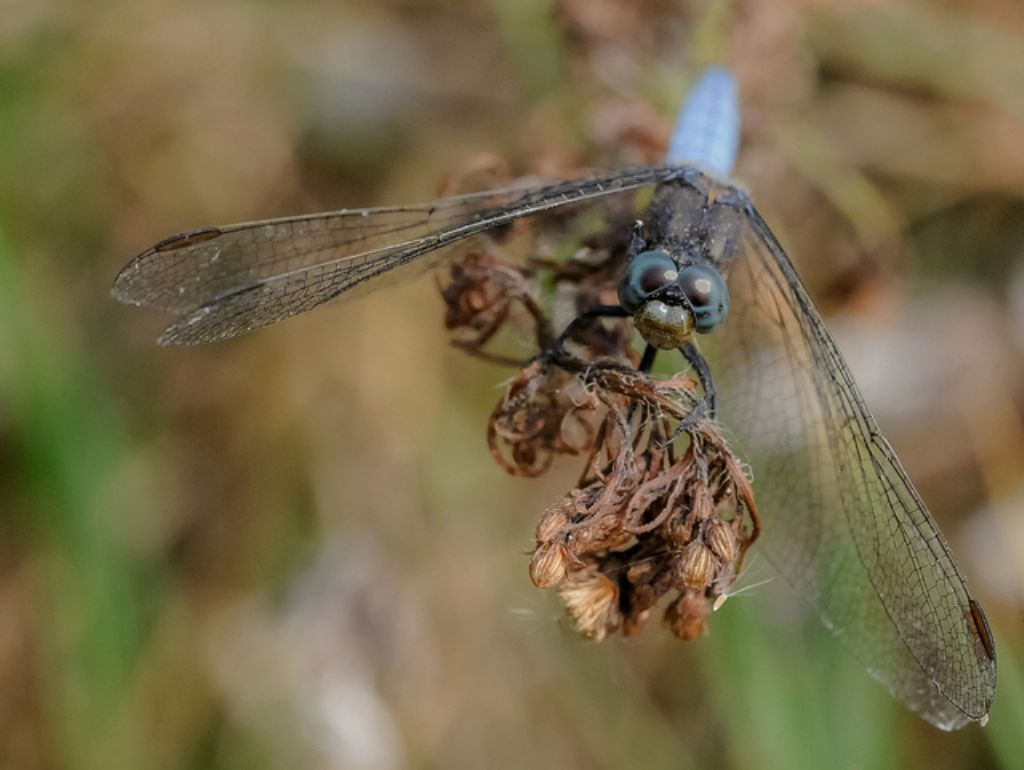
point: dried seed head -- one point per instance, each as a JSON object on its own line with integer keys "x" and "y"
{"x": 687, "y": 616}
{"x": 721, "y": 539}
{"x": 697, "y": 566}
{"x": 548, "y": 564}
{"x": 553, "y": 522}
{"x": 592, "y": 600}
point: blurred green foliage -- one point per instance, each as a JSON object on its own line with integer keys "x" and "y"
{"x": 294, "y": 550}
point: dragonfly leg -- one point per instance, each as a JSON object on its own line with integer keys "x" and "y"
{"x": 600, "y": 311}
{"x": 707, "y": 403}
{"x": 647, "y": 360}
{"x": 692, "y": 354}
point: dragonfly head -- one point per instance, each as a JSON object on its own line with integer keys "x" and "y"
{"x": 668, "y": 302}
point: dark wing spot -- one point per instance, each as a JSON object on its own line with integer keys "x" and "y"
{"x": 984, "y": 633}
{"x": 181, "y": 240}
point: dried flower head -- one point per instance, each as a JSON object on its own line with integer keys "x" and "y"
{"x": 659, "y": 515}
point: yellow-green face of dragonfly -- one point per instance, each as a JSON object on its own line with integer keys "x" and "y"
{"x": 665, "y": 326}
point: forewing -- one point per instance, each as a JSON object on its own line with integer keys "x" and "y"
{"x": 841, "y": 519}
{"x": 231, "y": 280}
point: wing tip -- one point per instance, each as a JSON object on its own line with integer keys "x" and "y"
{"x": 124, "y": 288}
{"x": 121, "y": 290}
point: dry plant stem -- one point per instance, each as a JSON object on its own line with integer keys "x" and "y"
{"x": 652, "y": 517}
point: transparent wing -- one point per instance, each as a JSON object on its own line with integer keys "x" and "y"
{"x": 841, "y": 519}
{"x": 226, "y": 281}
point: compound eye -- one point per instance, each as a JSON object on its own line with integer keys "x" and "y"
{"x": 646, "y": 273}
{"x": 707, "y": 293}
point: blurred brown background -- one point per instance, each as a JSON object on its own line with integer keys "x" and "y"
{"x": 294, "y": 550}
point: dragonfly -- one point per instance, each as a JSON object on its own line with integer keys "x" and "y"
{"x": 841, "y": 520}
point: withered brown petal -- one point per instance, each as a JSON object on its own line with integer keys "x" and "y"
{"x": 548, "y": 565}
{"x": 698, "y": 566}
